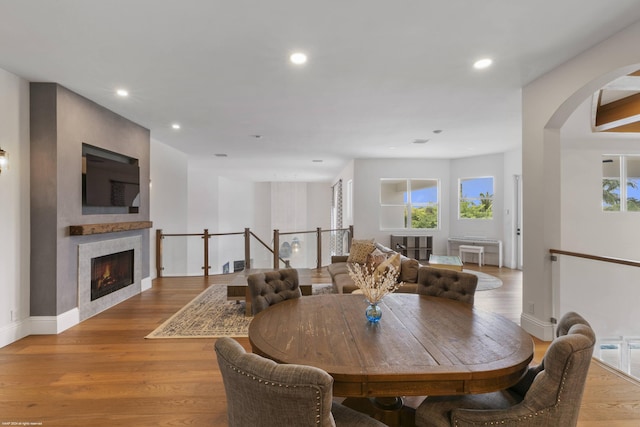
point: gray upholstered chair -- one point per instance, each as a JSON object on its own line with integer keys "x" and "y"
{"x": 548, "y": 395}
{"x": 272, "y": 287}
{"x": 445, "y": 283}
{"x": 263, "y": 393}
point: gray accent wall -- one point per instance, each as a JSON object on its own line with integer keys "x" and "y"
{"x": 61, "y": 121}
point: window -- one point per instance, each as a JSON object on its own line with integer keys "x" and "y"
{"x": 409, "y": 203}
{"x": 476, "y": 198}
{"x": 617, "y": 169}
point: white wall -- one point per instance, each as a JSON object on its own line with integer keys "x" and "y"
{"x": 236, "y": 211}
{"x": 367, "y": 175}
{"x": 586, "y": 228}
{"x": 367, "y": 200}
{"x": 547, "y": 104}
{"x": 202, "y": 196}
{"x": 225, "y": 205}
{"x": 14, "y": 209}
{"x": 169, "y": 203}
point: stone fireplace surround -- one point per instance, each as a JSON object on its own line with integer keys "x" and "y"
{"x": 88, "y": 251}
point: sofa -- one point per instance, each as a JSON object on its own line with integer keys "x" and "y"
{"x": 367, "y": 251}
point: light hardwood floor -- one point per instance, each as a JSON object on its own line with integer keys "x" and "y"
{"x": 103, "y": 372}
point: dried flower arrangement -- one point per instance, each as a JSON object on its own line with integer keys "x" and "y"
{"x": 373, "y": 283}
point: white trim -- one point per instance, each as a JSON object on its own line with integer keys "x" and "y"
{"x": 146, "y": 284}
{"x": 53, "y": 325}
{"x": 542, "y": 330}
{"x": 14, "y": 332}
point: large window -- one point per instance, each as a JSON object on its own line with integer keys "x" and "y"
{"x": 476, "y": 198}
{"x": 617, "y": 169}
{"x": 409, "y": 203}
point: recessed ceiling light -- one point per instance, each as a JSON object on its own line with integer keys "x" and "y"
{"x": 317, "y": 161}
{"x": 122, "y": 92}
{"x": 298, "y": 58}
{"x": 176, "y": 126}
{"x": 220, "y": 155}
{"x": 420, "y": 141}
{"x": 482, "y": 63}
{"x": 437, "y": 131}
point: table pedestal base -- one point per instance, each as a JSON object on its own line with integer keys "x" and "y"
{"x": 389, "y": 410}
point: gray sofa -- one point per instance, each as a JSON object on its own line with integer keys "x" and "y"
{"x": 343, "y": 283}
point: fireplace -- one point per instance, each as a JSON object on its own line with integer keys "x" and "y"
{"x": 110, "y": 273}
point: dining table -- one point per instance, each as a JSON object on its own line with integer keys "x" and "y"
{"x": 421, "y": 346}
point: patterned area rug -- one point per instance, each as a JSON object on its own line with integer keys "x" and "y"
{"x": 485, "y": 281}
{"x": 210, "y": 315}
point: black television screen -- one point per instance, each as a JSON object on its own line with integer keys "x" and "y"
{"x": 111, "y": 183}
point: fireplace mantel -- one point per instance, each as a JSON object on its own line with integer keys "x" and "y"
{"x": 107, "y": 227}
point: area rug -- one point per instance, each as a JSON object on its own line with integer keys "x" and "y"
{"x": 210, "y": 315}
{"x": 485, "y": 281}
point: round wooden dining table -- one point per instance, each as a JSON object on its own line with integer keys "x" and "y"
{"x": 422, "y": 345}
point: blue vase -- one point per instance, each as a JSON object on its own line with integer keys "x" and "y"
{"x": 373, "y": 312}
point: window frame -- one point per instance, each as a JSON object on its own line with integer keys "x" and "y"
{"x": 408, "y": 205}
{"x": 461, "y": 198}
{"x": 622, "y": 177}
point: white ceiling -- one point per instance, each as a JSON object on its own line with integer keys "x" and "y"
{"x": 380, "y": 74}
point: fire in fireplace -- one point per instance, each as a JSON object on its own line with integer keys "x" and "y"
{"x": 110, "y": 273}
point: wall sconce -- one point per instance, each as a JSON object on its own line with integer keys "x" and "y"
{"x": 295, "y": 245}
{"x": 4, "y": 161}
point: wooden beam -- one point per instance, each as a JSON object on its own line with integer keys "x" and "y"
{"x": 622, "y": 115}
{"x": 109, "y": 227}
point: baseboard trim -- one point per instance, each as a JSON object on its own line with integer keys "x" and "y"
{"x": 537, "y": 328}
{"x": 146, "y": 284}
{"x": 52, "y": 325}
{"x": 14, "y": 332}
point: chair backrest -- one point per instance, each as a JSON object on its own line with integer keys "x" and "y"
{"x": 554, "y": 396}
{"x": 564, "y": 325}
{"x": 440, "y": 282}
{"x": 263, "y": 393}
{"x": 272, "y": 287}
{"x": 560, "y": 385}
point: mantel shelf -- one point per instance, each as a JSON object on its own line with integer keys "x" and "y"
{"x": 107, "y": 227}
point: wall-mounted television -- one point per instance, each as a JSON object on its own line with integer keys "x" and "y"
{"x": 110, "y": 182}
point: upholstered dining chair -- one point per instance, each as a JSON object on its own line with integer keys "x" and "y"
{"x": 272, "y": 287}
{"x": 548, "y": 395}
{"x": 263, "y": 393}
{"x": 445, "y": 283}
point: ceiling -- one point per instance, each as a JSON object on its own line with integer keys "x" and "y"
{"x": 380, "y": 74}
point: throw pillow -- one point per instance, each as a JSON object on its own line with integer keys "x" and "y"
{"x": 385, "y": 249}
{"x": 359, "y": 250}
{"x": 391, "y": 261}
{"x": 409, "y": 270}
{"x": 376, "y": 257}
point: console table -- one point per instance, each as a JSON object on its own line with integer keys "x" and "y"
{"x": 491, "y": 246}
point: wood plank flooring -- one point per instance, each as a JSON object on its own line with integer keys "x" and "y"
{"x": 104, "y": 373}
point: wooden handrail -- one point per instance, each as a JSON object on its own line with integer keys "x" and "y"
{"x": 202, "y": 234}
{"x": 314, "y": 231}
{"x": 611, "y": 260}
